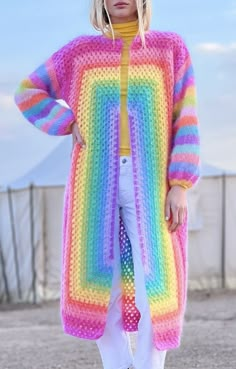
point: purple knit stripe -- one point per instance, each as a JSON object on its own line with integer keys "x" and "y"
{"x": 168, "y": 338}
{"x": 188, "y": 139}
{"x": 42, "y": 113}
{"x": 184, "y": 175}
{"x": 80, "y": 327}
{"x": 38, "y": 82}
{"x": 180, "y": 95}
{"x": 187, "y": 111}
{"x": 59, "y": 124}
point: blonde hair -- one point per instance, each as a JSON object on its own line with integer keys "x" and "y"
{"x": 101, "y": 21}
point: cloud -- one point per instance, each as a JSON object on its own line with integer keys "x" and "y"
{"x": 6, "y": 101}
{"x": 233, "y": 12}
{"x": 216, "y": 48}
{"x": 232, "y": 9}
{"x": 229, "y": 99}
{"x": 230, "y": 12}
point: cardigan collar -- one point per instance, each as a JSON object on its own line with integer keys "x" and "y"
{"x": 126, "y": 30}
{"x": 118, "y": 41}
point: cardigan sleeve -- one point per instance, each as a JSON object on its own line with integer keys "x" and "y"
{"x": 184, "y": 166}
{"x": 37, "y": 95}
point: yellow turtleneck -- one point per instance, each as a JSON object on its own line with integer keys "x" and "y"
{"x": 126, "y": 30}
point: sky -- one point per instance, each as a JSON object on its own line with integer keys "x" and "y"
{"x": 31, "y": 31}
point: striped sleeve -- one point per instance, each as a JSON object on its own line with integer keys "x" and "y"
{"x": 37, "y": 95}
{"x": 184, "y": 166}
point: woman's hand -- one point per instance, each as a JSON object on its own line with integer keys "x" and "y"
{"x": 76, "y": 135}
{"x": 176, "y": 206}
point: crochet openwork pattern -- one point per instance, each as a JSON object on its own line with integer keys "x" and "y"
{"x": 164, "y": 138}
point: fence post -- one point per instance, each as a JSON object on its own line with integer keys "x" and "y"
{"x": 14, "y": 243}
{"x": 4, "y": 274}
{"x": 223, "y": 240}
{"x": 32, "y": 243}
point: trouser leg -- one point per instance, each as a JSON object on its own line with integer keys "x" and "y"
{"x": 146, "y": 356}
{"x": 114, "y": 345}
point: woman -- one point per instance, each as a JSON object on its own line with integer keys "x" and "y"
{"x": 131, "y": 111}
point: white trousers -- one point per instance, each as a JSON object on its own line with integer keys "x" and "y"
{"x": 114, "y": 346}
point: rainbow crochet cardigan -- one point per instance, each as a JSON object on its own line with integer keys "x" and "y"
{"x": 164, "y": 138}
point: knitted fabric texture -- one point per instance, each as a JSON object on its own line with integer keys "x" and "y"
{"x": 126, "y": 30}
{"x": 164, "y": 137}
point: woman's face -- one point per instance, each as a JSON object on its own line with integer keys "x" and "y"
{"x": 121, "y": 10}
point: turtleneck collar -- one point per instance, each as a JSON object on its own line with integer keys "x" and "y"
{"x": 125, "y": 30}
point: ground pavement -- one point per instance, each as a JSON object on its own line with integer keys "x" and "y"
{"x": 31, "y": 337}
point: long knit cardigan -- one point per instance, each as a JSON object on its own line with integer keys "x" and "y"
{"x": 164, "y": 139}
